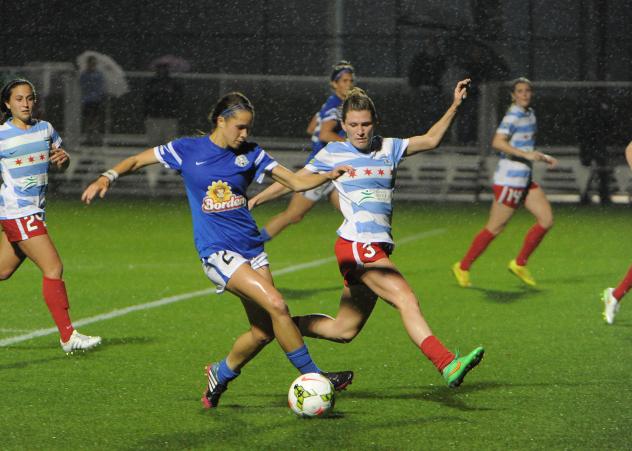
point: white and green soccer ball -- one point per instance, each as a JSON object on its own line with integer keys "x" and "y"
{"x": 311, "y": 395}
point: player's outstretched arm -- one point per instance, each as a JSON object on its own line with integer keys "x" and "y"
{"x": 628, "y": 154}
{"x": 101, "y": 185}
{"x": 274, "y": 191}
{"x": 303, "y": 181}
{"x": 432, "y": 138}
{"x": 501, "y": 143}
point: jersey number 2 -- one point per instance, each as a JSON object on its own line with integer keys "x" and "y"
{"x": 29, "y": 223}
{"x": 227, "y": 258}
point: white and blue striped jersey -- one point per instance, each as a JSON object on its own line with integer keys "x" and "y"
{"x": 520, "y": 126}
{"x": 24, "y": 157}
{"x": 366, "y": 192}
{"x": 330, "y": 111}
{"x": 216, "y": 180}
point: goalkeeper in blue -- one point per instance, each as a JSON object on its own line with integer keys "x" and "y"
{"x": 365, "y": 241}
{"x": 216, "y": 169}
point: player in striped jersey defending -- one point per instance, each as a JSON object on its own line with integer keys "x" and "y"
{"x": 28, "y": 147}
{"x": 365, "y": 241}
{"x": 513, "y": 186}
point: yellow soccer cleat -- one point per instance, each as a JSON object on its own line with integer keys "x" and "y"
{"x": 521, "y": 272}
{"x": 462, "y": 276}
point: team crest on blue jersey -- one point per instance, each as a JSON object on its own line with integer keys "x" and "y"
{"x": 220, "y": 197}
{"x": 241, "y": 161}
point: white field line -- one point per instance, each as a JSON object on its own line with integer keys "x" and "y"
{"x": 183, "y": 297}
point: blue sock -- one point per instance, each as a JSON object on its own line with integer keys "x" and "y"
{"x": 303, "y": 362}
{"x": 225, "y": 374}
{"x": 264, "y": 234}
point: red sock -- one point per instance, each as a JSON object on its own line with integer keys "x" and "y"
{"x": 54, "y": 291}
{"x": 438, "y": 354}
{"x": 624, "y": 286}
{"x": 531, "y": 241}
{"x": 480, "y": 243}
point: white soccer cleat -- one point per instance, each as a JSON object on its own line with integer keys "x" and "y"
{"x": 611, "y": 305}
{"x": 79, "y": 342}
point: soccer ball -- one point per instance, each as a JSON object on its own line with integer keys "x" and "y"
{"x": 311, "y": 395}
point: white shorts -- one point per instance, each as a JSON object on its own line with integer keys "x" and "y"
{"x": 220, "y": 266}
{"x": 316, "y": 194}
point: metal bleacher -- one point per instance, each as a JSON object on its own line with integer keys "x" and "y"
{"x": 449, "y": 173}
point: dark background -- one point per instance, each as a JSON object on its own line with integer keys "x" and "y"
{"x": 569, "y": 40}
{"x": 542, "y": 39}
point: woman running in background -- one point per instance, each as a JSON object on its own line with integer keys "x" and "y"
{"x": 513, "y": 186}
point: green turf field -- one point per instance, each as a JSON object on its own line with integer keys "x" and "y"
{"x": 554, "y": 375}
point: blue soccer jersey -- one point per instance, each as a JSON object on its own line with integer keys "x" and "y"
{"x": 519, "y": 125}
{"x": 366, "y": 192}
{"x": 24, "y": 157}
{"x": 216, "y": 180}
{"x": 330, "y": 111}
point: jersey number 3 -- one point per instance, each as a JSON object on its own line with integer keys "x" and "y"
{"x": 370, "y": 252}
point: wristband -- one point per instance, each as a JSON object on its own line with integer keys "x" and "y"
{"x": 111, "y": 175}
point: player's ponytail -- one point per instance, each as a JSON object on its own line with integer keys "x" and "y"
{"x": 358, "y": 100}
{"x": 229, "y": 105}
{"x": 5, "y": 95}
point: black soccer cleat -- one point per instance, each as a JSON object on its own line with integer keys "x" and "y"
{"x": 214, "y": 389}
{"x": 339, "y": 380}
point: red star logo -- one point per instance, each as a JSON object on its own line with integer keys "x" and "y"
{"x": 31, "y": 159}
{"x": 352, "y": 173}
{"x": 42, "y": 157}
{"x": 367, "y": 171}
{"x": 380, "y": 171}
{"x": 18, "y": 162}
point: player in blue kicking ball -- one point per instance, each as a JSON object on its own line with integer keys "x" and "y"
{"x": 217, "y": 169}
{"x": 365, "y": 241}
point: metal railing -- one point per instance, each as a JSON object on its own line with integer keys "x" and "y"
{"x": 459, "y": 171}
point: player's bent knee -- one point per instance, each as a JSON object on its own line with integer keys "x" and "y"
{"x": 295, "y": 219}
{"x": 261, "y": 336}
{"x": 54, "y": 272}
{"x": 407, "y": 302}
{"x": 497, "y": 229}
{"x": 348, "y": 335}
{"x": 277, "y": 306}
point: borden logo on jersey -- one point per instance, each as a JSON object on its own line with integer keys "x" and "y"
{"x": 219, "y": 197}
